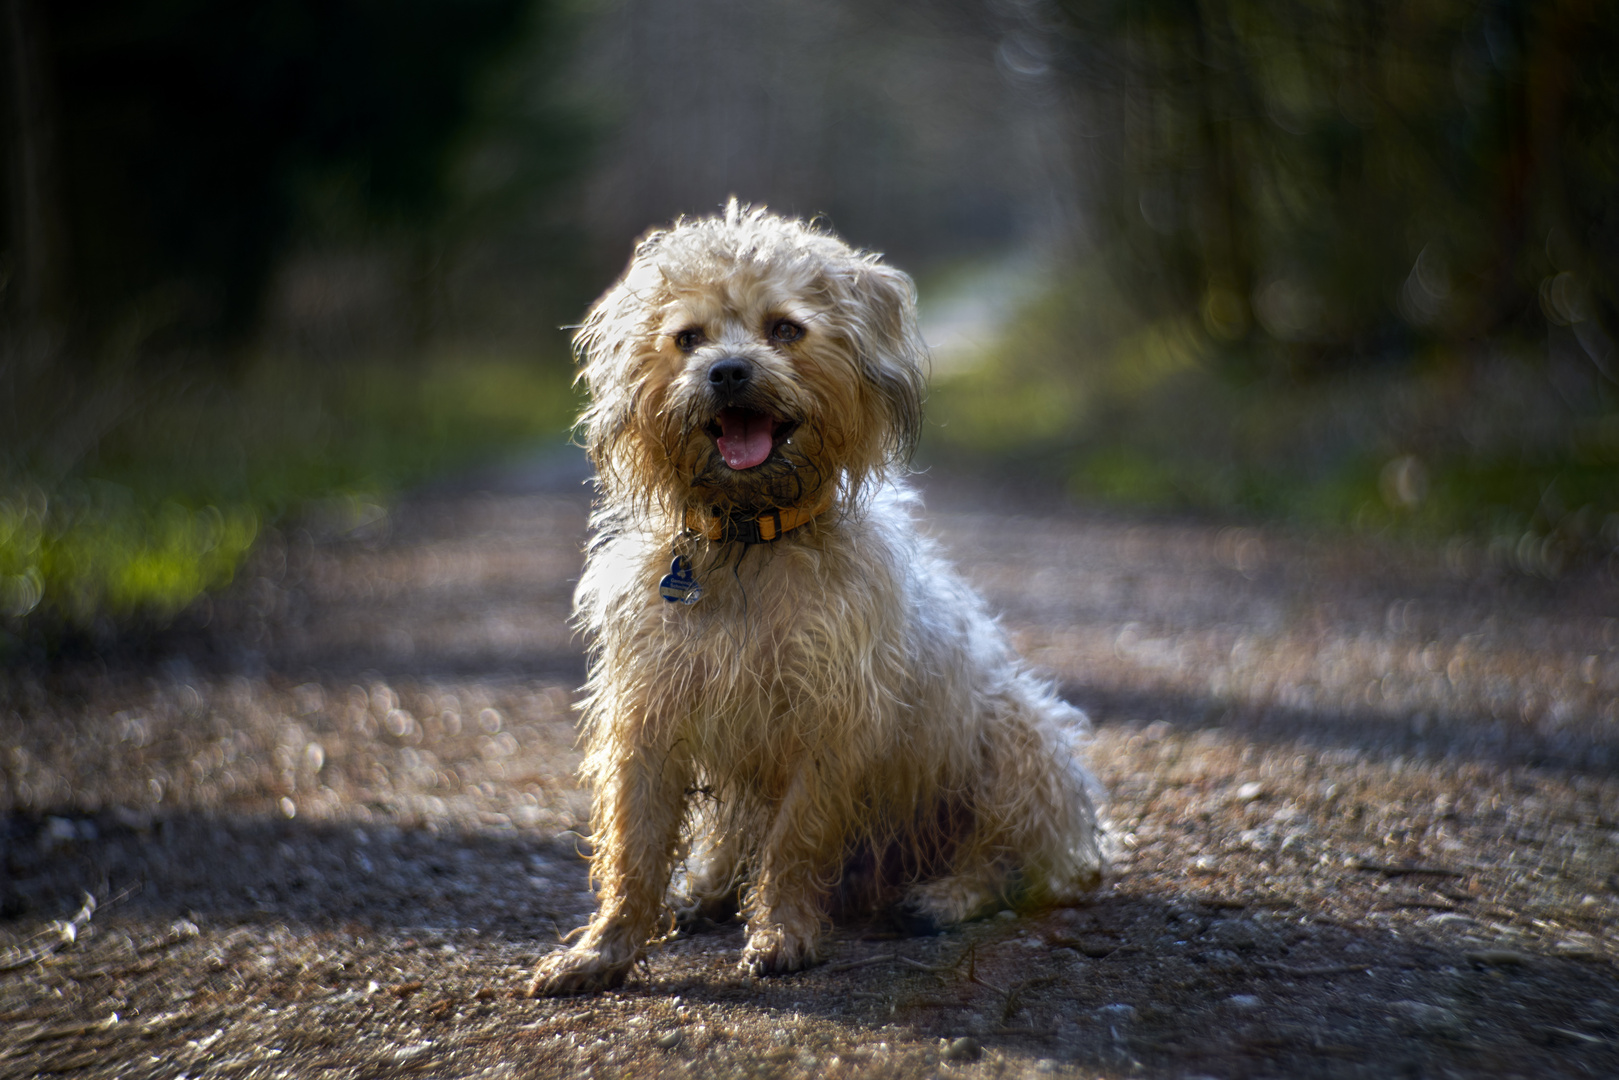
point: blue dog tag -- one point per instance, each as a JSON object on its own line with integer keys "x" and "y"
{"x": 678, "y": 586}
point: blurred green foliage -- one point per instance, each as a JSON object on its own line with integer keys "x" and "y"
{"x": 1083, "y": 393}
{"x": 165, "y": 161}
{"x": 101, "y": 551}
{"x": 1353, "y": 264}
{"x": 1318, "y": 183}
{"x": 182, "y": 487}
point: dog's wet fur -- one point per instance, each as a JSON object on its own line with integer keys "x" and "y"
{"x": 835, "y": 723}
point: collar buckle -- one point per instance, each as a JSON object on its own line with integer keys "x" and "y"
{"x": 753, "y": 528}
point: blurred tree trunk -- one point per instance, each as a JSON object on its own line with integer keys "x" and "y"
{"x": 1331, "y": 182}
{"x": 36, "y": 256}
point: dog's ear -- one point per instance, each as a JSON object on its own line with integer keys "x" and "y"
{"x": 610, "y": 350}
{"x": 893, "y": 357}
{"x": 603, "y": 350}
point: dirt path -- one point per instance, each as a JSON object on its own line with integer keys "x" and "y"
{"x": 1363, "y": 799}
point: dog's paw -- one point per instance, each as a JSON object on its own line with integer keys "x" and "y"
{"x": 947, "y": 901}
{"x": 577, "y": 971}
{"x": 913, "y": 920}
{"x": 774, "y": 951}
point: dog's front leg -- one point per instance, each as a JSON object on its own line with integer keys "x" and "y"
{"x": 800, "y": 850}
{"x": 640, "y": 796}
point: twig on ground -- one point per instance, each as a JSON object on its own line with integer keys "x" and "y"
{"x": 1388, "y": 870}
{"x": 931, "y": 969}
{"x": 971, "y": 956}
{"x": 63, "y": 933}
{"x": 70, "y": 1031}
{"x": 1014, "y": 996}
{"x": 850, "y": 965}
{"x": 990, "y": 986}
{"x": 1579, "y": 1036}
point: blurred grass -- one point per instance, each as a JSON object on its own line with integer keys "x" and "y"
{"x": 124, "y": 498}
{"x": 169, "y": 496}
{"x": 1512, "y": 447}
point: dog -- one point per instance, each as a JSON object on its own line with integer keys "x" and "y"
{"x": 790, "y": 692}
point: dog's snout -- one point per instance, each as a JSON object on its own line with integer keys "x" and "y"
{"x": 730, "y": 375}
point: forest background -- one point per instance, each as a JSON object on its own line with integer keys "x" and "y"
{"x": 265, "y": 265}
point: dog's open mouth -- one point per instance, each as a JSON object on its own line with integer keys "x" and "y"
{"x": 745, "y": 437}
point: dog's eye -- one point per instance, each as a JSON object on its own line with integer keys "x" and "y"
{"x": 785, "y": 330}
{"x": 687, "y": 340}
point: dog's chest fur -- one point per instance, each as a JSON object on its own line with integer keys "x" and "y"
{"x": 816, "y": 644}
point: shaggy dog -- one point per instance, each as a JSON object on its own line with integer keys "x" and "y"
{"x": 790, "y": 694}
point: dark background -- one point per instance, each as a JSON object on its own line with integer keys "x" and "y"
{"x": 1353, "y": 265}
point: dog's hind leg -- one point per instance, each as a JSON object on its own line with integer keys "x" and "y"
{"x": 971, "y": 892}
{"x": 1033, "y": 837}
{"x": 710, "y": 888}
{"x": 1035, "y": 812}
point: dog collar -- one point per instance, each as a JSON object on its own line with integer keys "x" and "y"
{"x": 679, "y": 585}
{"x": 748, "y": 528}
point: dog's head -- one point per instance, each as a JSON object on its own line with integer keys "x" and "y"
{"x": 749, "y": 361}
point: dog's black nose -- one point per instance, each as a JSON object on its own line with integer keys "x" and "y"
{"x": 731, "y": 375}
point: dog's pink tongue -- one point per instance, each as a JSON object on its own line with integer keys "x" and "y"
{"x": 745, "y": 437}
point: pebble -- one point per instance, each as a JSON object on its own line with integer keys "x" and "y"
{"x": 1232, "y": 934}
{"x": 1421, "y": 1018}
{"x": 1447, "y": 918}
{"x": 409, "y": 1053}
{"x": 1575, "y": 947}
{"x": 669, "y": 1039}
{"x": 58, "y": 832}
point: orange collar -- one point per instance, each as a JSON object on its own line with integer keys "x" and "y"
{"x": 754, "y": 528}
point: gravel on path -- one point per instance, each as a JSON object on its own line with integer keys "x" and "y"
{"x": 1363, "y": 804}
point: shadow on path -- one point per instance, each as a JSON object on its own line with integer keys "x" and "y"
{"x": 1374, "y": 735}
